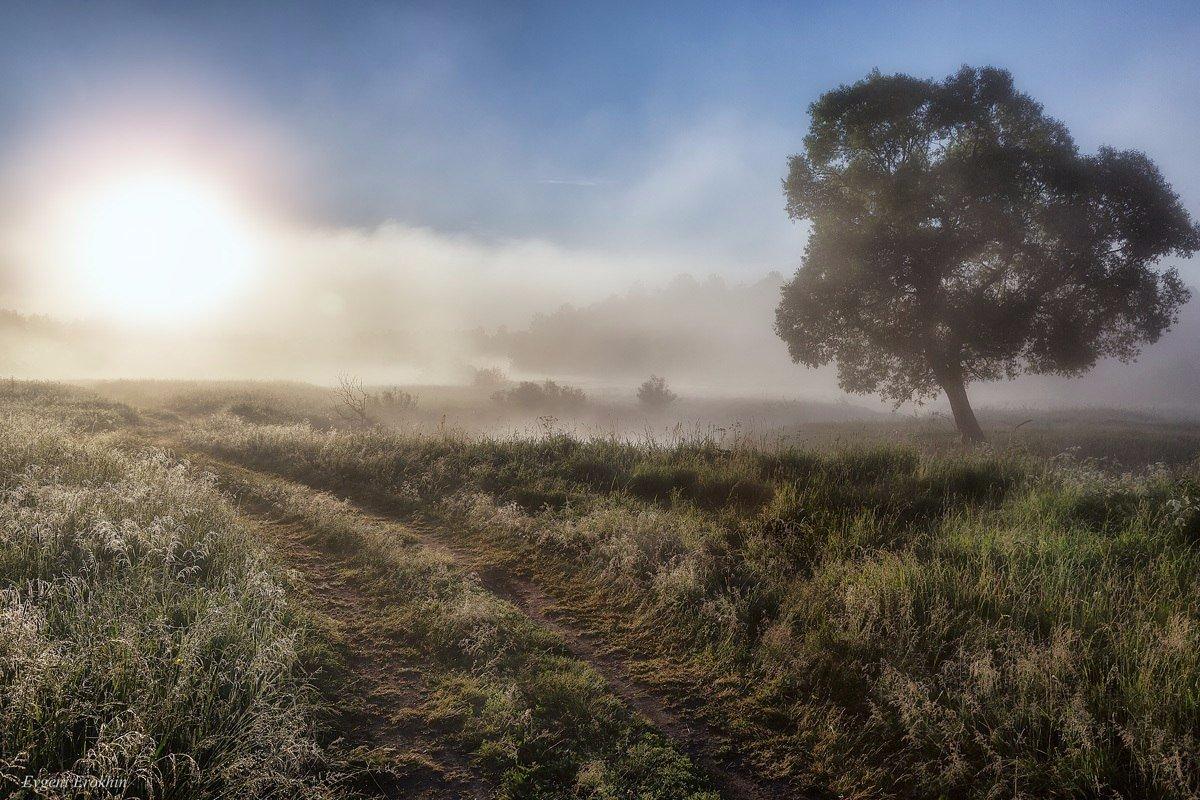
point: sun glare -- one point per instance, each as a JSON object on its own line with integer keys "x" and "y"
{"x": 155, "y": 245}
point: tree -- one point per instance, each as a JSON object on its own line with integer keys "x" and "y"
{"x": 353, "y": 401}
{"x": 488, "y": 378}
{"x": 654, "y": 393}
{"x": 545, "y": 396}
{"x": 959, "y": 235}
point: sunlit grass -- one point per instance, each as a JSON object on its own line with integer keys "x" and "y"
{"x": 143, "y": 638}
{"x": 544, "y": 723}
{"x": 894, "y": 623}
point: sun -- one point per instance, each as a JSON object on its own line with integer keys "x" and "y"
{"x": 156, "y": 245}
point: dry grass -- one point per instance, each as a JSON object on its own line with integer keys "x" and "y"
{"x": 147, "y": 644}
{"x": 542, "y": 723}
{"x": 143, "y": 638}
{"x": 872, "y": 620}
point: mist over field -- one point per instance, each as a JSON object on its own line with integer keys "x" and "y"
{"x": 711, "y": 336}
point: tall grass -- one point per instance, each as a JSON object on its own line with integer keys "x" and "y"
{"x": 543, "y": 723}
{"x": 144, "y": 644}
{"x": 875, "y": 621}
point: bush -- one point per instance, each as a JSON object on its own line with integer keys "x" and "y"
{"x": 489, "y": 378}
{"x": 655, "y": 395}
{"x": 395, "y": 401}
{"x": 546, "y": 396}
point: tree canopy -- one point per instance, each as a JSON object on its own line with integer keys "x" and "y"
{"x": 959, "y": 235}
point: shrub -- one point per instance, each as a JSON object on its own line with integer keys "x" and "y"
{"x": 655, "y": 395}
{"x": 489, "y": 378}
{"x": 546, "y": 396}
{"x": 394, "y": 401}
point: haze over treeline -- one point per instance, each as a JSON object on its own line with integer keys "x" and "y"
{"x": 708, "y": 335}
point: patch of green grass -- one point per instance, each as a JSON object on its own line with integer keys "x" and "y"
{"x": 544, "y": 724}
{"x": 876, "y": 620}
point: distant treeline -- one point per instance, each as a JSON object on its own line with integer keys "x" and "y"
{"x": 688, "y": 326}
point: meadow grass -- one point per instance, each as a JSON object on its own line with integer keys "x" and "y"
{"x": 145, "y": 643}
{"x": 871, "y": 620}
{"x": 541, "y": 722}
{"x": 1122, "y": 438}
{"x": 150, "y": 648}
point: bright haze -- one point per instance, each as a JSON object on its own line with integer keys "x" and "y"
{"x": 407, "y": 191}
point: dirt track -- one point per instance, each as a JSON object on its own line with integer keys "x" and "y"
{"x": 389, "y": 687}
{"x": 386, "y": 686}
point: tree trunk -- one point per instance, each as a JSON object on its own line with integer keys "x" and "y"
{"x": 964, "y": 417}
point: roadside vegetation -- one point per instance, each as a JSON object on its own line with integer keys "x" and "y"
{"x": 155, "y": 641}
{"x": 541, "y": 722}
{"x": 873, "y": 621}
{"x": 860, "y": 619}
{"x": 147, "y": 646}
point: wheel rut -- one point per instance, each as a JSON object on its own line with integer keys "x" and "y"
{"x": 386, "y": 688}
{"x": 707, "y": 747}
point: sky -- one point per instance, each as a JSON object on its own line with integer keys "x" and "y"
{"x": 513, "y": 156}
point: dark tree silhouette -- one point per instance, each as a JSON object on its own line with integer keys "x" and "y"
{"x": 654, "y": 394}
{"x": 958, "y": 235}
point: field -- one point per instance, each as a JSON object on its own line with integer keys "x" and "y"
{"x": 219, "y": 590}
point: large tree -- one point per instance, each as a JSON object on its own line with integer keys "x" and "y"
{"x": 959, "y": 235}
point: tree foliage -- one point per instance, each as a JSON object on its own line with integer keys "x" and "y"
{"x": 546, "y": 396}
{"x": 959, "y": 235}
{"x": 654, "y": 393}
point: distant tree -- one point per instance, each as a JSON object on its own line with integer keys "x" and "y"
{"x": 395, "y": 401}
{"x": 488, "y": 378}
{"x": 353, "y": 401}
{"x": 544, "y": 396}
{"x": 654, "y": 393}
{"x": 958, "y": 235}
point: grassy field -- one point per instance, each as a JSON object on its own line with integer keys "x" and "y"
{"x": 538, "y": 722}
{"x": 1118, "y": 438}
{"x": 146, "y": 643}
{"x": 845, "y": 616}
{"x": 154, "y": 646}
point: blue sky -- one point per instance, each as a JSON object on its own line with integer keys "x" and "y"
{"x": 657, "y": 129}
